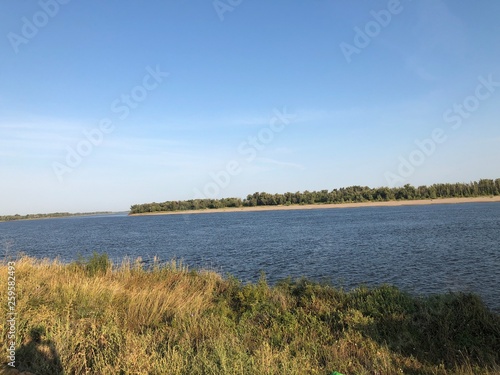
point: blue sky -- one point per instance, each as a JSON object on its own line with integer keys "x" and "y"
{"x": 192, "y": 99}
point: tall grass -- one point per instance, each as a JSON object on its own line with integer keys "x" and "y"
{"x": 91, "y": 318}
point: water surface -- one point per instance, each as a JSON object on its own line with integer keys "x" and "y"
{"x": 421, "y": 249}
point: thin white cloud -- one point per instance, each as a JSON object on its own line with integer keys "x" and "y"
{"x": 280, "y": 163}
{"x": 29, "y": 140}
{"x": 140, "y": 143}
{"x": 283, "y": 151}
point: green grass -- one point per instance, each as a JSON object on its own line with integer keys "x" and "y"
{"x": 91, "y": 318}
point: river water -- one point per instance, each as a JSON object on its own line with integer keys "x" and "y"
{"x": 421, "y": 249}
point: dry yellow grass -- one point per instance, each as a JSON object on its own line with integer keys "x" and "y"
{"x": 75, "y": 319}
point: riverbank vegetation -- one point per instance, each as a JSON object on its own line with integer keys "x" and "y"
{"x": 90, "y": 317}
{"x": 352, "y": 194}
{"x": 48, "y": 216}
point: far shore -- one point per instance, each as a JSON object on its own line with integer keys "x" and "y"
{"x": 416, "y": 202}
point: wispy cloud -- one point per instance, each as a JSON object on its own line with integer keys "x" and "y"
{"x": 280, "y": 163}
{"x": 35, "y": 140}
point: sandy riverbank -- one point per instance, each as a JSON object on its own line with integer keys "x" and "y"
{"x": 324, "y": 206}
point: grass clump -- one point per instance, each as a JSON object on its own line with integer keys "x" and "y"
{"x": 91, "y": 318}
{"x": 97, "y": 264}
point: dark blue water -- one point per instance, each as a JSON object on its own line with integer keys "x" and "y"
{"x": 421, "y": 249}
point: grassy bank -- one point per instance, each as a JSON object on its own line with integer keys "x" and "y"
{"x": 88, "y": 319}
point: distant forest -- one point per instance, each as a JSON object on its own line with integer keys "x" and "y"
{"x": 46, "y": 216}
{"x": 352, "y": 194}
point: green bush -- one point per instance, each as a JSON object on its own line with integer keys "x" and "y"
{"x": 97, "y": 264}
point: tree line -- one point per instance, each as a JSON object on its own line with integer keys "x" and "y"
{"x": 47, "y": 216}
{"x": 351, "y": 194}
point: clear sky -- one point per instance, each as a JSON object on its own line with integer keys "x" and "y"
{"x": 104, "y": 104}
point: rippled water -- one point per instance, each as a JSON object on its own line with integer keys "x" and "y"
{"x": 422, "y": 249}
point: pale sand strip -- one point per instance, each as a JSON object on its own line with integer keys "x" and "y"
{"x": 322, "y": 206}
